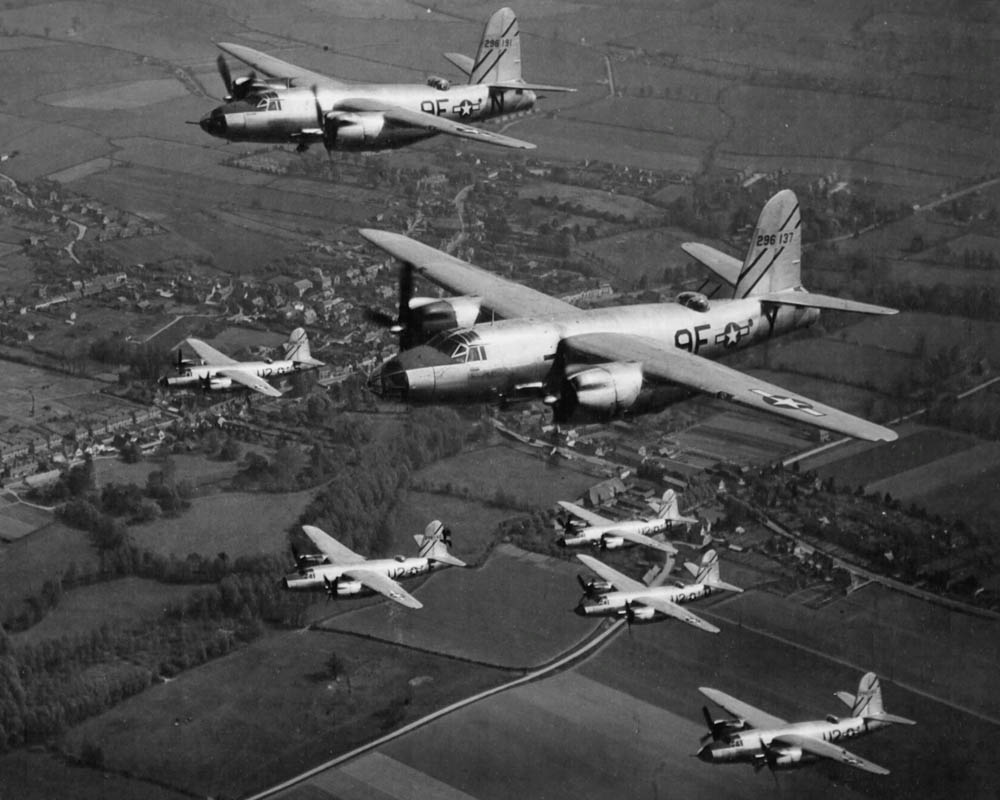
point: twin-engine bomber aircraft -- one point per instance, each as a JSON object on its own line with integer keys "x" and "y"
{"x": 218, "y": 371}
{"x": 618, "y": 594}
{"x": 610, "y": 534}
{"x": 298, "y": 106}
{"x": 600, "y": 361}
{"x": 761, "y": 739}
{"x": 341, "y": 571}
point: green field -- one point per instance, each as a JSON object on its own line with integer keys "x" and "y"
{"x": 237, "y": 524}
{"x": 26, "y": 564}
{"x": 126, "y": 601}
{"x": 270, "y": 710}
{"x": 515, "y": 612}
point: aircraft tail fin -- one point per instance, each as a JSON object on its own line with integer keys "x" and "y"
{"x": 773, "y": 262}
{"x": 708, "y": 572}
{"x": 498, "y": 59}
{"x": 669, "y": 508}
{"x": 433, "y": 543}
{"x": 868, "y": 702}
{"x": 297, "y": 348}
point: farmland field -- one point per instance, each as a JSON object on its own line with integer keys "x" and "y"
{"x": 531, "y": 481}
{"x": 515, "y": 612}
{"x": 27, "y": 563}
{"x": 973, "y": 498}
{"x": 271, "y": 710}
{"x": 917, "y": 448}
{"x": 843, "y": 362}
{"x": 237, "y": 524}
{"x": 81, "y": 610}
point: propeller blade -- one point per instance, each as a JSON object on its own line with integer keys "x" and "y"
{"x": 227, "y": 77}
{"x": 403, "y": 317}
{"x": 379, "y": 317}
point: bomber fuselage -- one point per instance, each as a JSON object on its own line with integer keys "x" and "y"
{"x": 319, "y": 575}
{"x": 209, "y": 374}
{"x": 609, "y": 536}
{"x": 751, "y": 746}
{"x": 297, "y": 114}
{"x": 616, "y": 603}
{"x": 512, "y": 359}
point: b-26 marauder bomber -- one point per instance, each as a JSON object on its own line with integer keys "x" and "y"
{"x": 605, "y": 361}
{"x": 761, "y": 739}
{"x": 295, "y": 105}
{"x": 218, "y": 372}
{"x": 342, "y": 572}
{"x": 619, "y": 595}
{"x": 610, "y": 534}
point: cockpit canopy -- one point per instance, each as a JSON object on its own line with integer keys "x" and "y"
{"x": 460, "y": 346}
{"x": 694, "y": 300}
{"x": 265, "y": 101}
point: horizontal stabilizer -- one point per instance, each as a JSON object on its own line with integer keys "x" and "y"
{"x": 447, "y": 558}
{"x": 723, "y": 585}
{"x": 725, "y": 267}
{"x": 884, "y": 717}
{"x": 463, "y": 62}
{"x": 811, "y": 300}
{"x": 846, "y": 698}
{"x": 310, "y": 362}
{"x": 531, "y": 87}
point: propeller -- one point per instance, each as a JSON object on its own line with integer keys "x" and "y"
{"x": 402, "y": 324}
{"x": 225, "y": 74}
{"x": 331, "y": 587}
{"x": 713, "y": 730}
{"x": 629, "y": 616}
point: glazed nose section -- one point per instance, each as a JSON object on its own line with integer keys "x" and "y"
{"x": 389, "y": 380}
{"x": 706, "y": 754}
{"x": 214, "y": 123}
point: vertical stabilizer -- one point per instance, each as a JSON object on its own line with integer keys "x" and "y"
{"x": 669, "y": 508}
{"x": 868, "y": 701}
{"x": 297, "y": 348}
{"x": 434, "y": 543}
{"x": 499, "y": 57}
{"x": 774, "y": 259}
{"x": 708, "y": 572}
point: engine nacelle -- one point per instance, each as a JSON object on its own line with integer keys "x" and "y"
{"x": 345, "y": 588}
{"x": 594, "y": 587}
{"x": 217, "y": 384}
{"x": 642, "y": 613}
{"x": 433, "y": 314}
{"x": 611, "y": 542}
{"x": 600, "y": 390}
{"x": 785, "y": 758}
{"x": 352, "y": 129}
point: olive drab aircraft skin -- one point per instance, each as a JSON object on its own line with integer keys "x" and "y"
{"x": 499, "y": 341}
{"x": 219, "y": 372}
{"x": 761, "y": 739}
{"x": 290, "y": 104}
{"x": 341, "y": 572}
{"x": 619, "y": 595}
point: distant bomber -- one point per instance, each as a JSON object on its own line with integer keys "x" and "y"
{"x": 760, "y": 739}
{"x": 609, "y": 534}
{"x": 298, "y": 106}
{"x": 218, "y": 372}
{"x": 499, "y": 341}
{"x": 342, "y": 572}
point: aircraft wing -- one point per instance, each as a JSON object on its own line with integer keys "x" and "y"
{"x": 420, "y": 119}
{"x": 210, "y": 355}
{"x": 254, "y": 382}
{"x": 811, "y": 300}
{"x": 756, "y": 717}
{"x": 383, "y": 584}
{"x": 823, "y": 749}
{"x": 272, "y": 67}
{"x": 504, "y": 297}
{"x": 677, "y": 612}
{"x": 647, "y": 541}
{"x": 587, "y": 516}
{"x": 621, "y": 582}
{"x": 335, "y": 552}
{"x": 670, "y": 364}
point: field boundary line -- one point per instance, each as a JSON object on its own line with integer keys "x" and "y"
{"x": 574, "y": 655}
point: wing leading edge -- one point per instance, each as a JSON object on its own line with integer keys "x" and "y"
{"x": 506, "y": 298}
{"x": 669, "y": 364}
{"x": 272, "y": 67}
{"x": 826, "y": 750}
{"x": 384, "y": 585}
{"x": 757, "y": 718}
